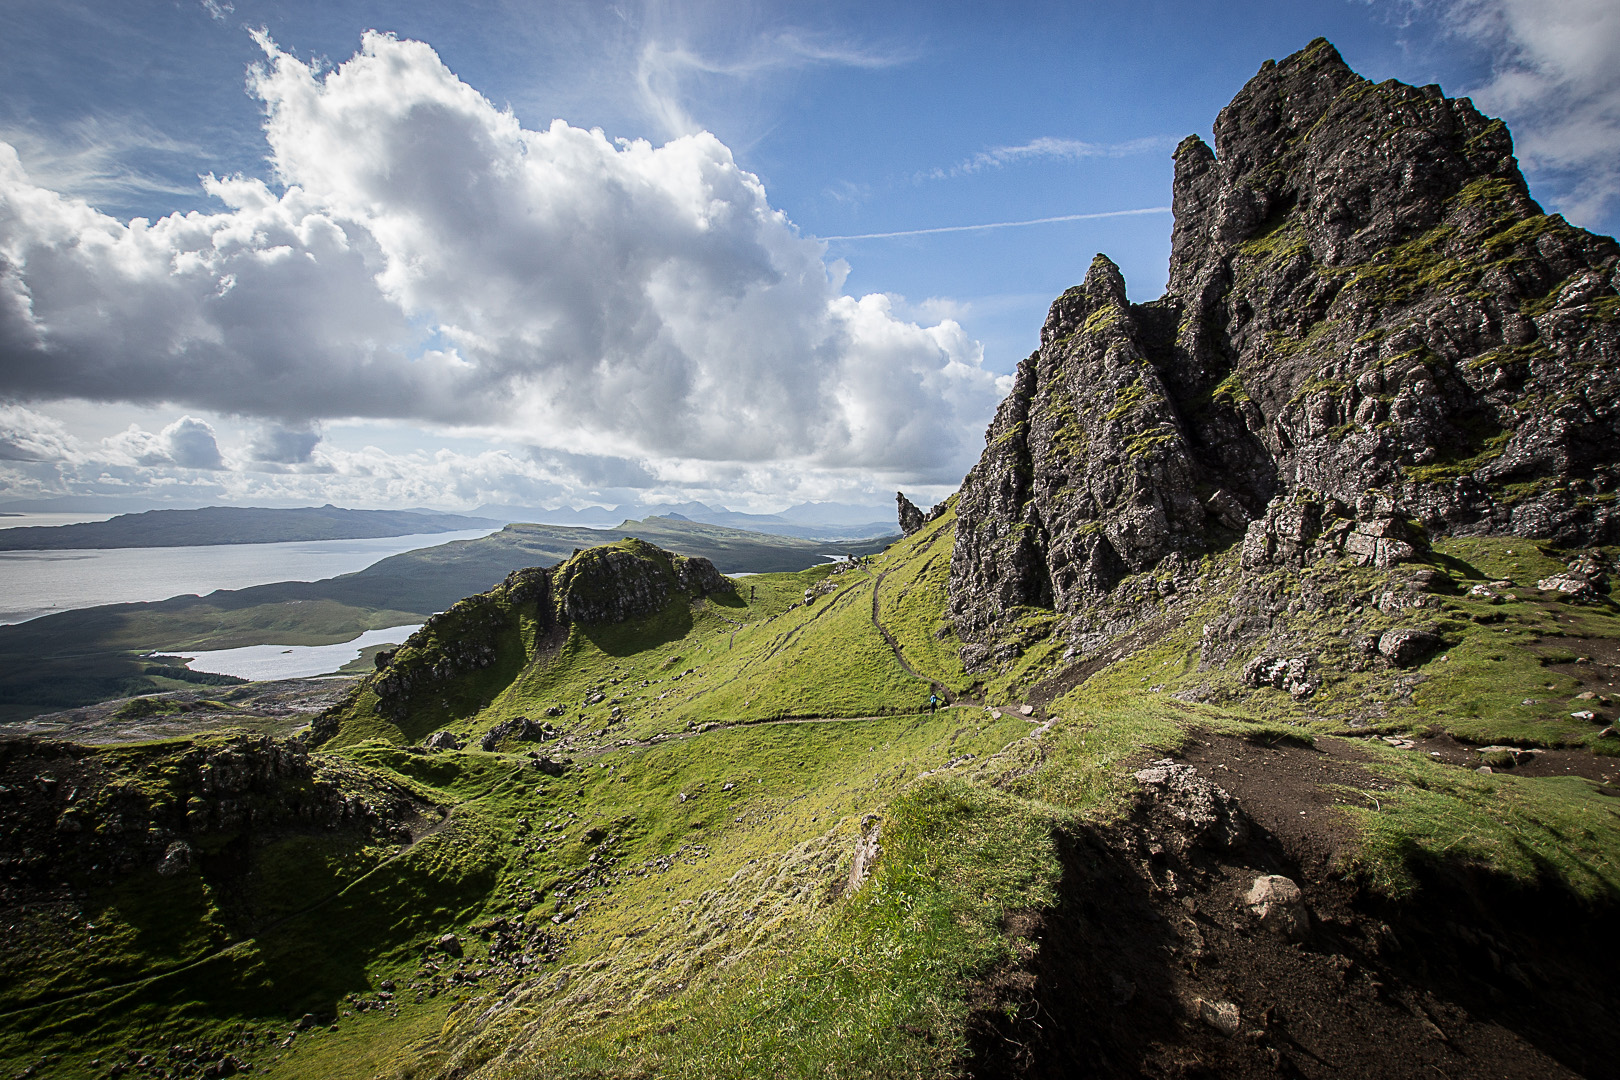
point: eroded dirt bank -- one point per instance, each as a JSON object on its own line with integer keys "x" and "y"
{"x": 1164, "y": 959}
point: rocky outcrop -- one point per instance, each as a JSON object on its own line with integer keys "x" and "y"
{"x": 617, "y": 582}
{"x": 911, "y": 518}
{"x": 1372, "y": 334}
{"x": 71, "y": 811}
{"x": 427, "y": 681}
{"x": 520, "y": 729}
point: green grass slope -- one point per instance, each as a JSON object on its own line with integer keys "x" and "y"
{"x": 750, "y": 849}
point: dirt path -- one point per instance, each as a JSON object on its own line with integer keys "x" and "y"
{"x": 938, "y": 688}
{"x": 1152, "y": 945}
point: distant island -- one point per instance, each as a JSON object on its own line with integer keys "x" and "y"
{"x": 215, "y": 525}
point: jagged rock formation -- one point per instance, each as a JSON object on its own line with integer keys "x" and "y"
{"x": 511, "y": 622}
{"x": 1371, "y": 331}
{"x": 618, "y": 582}
{"x": 911, "y": 518}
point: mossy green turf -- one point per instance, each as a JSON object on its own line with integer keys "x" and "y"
{"x": 698, "y": 852}
{"x": 760, "y": 653}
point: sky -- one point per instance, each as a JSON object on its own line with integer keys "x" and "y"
{"x": 270, "y": 252}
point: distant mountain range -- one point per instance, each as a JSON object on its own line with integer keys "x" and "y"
{"x": 810, "y": 520}
{"x": 215, "y": 525}
{"x": 143, "y": 524}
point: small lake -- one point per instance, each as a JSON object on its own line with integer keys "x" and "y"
{"x": 35, "y": 583}
{"x": 262, "y": 662}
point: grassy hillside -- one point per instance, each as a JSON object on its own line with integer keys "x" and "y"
{"x": 95, "y": 654}
{"x": 778, "y": 861}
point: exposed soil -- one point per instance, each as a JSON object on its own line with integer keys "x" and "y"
{"x": 1553, "y": 761}
{"x": 1472, "y": 977}
{"x": 1596, "y": 668}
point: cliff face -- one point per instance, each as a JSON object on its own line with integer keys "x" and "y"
{"x": 1369, "y": 322}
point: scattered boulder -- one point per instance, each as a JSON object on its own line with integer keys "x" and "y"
{"x": 176, "y": 859}
{"x": 1578, "y": 589}
{"x": 1406, "y": 646}
{"x": 1292, "y": 674}
{"x": 449, "y": 944}
{"x": 442, "y": 740}
{"x": 1279, "y": 905}
{"x": 521, "y": 729}
{"x": 548, "y": 765}
{"x": 1205, "y": 815}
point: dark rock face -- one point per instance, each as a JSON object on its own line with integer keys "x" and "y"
{"x": 911, "y": 518}
{"x": 1369, "y": 326}
{"x": 615, "y": 583}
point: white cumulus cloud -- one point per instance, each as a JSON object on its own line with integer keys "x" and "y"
{"x": 1557, "y": 82}
{"x": 423, "y": 256}
{"x": 188, "y": 443}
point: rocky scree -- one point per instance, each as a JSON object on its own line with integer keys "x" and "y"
{"x": 1371, "y": 334}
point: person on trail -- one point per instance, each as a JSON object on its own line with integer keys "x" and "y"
{"x": 933, "y": 702}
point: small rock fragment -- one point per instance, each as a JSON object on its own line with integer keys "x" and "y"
{"x": 1279, "y": 905}
{"x": 1223, "y": 1016}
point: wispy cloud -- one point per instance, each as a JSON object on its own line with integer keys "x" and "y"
{"x": 1048, "y": 147}
{"x": 664, "y": 70}
{"x": 92, "y": 158}
{"x": 1557, "y": 82}
{"x": 1002, "y": 224}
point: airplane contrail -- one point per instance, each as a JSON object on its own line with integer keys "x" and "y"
{"x": 1002, "y": 224}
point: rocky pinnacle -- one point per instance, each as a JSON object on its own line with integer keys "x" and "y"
{"x": 1372, "y": 334}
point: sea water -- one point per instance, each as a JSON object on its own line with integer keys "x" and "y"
{"x": 35, "y": 583}
{"x": 262, "y": 662}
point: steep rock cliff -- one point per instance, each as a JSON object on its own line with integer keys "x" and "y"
{"x": 1370, "y": 327}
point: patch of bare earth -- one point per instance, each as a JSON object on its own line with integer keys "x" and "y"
{"x": 1153, "y": 964}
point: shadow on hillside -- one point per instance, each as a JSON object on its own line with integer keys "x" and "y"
{"x": 671, "y": 624}
{"x": 1472, "y": 976}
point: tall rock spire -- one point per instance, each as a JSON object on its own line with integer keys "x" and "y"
{"x": 1365, "y": 308}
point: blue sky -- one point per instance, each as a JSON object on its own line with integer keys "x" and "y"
{"x": 756, "y": 364}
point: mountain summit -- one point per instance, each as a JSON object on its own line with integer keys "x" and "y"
{"x": 1372, "y": 333}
